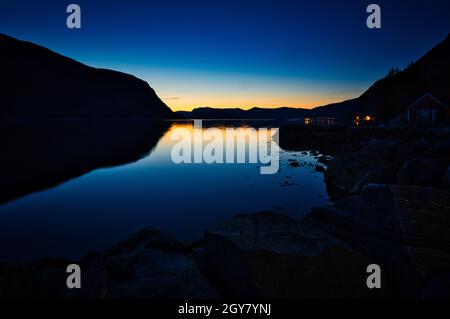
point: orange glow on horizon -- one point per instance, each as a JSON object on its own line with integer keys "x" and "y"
{"x": 190, "y": 103}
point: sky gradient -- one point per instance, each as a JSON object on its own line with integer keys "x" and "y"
{"x": 237, "y": 53}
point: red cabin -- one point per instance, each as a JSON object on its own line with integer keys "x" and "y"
{"x": 428, "y": 111}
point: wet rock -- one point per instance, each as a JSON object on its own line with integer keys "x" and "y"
{"x": 294, "y": 164}
{"x": 324, "y": 159}
{"x": 270, "y": 255}
{"x": 405, "y": 229}
{"x": 286, "y": 183}
{"x": 422, "y": 172}
{"x": 320, "y": 169}
{"x": 350, "y": 172}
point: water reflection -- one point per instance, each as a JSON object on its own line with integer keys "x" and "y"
{"x": 107, "y": 202}
{"x": 217, "y": 145}
{"x": 40, "y": 154}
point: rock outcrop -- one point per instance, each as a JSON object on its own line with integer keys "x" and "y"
{"x": 405, "y": 229}
{"x": 270, "y": 255}
{"x": 350, "y": 172}
{"x": 422, "y": 172}
{"x": 266, "y": 255}
{"x": 150, "y": 264}
{"x": 327, "y": 140}
{"x": 415, "y": 158}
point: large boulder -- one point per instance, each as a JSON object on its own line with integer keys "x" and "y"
{"x": 378, "y": 149}
{"x": 149, "y": 264}
{"x": 43, "y": 279}
{"x": 422, "y": 172}
{"x": 270, "y": 255}
{"x": 405, "y": 229}
{"x": 413, "y": 149}
{"x": 350, "y": 172}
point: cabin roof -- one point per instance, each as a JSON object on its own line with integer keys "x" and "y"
{"x": 426, "y": 102}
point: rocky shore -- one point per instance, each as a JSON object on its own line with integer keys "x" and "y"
{"x": 148, "y": 264}
{"x": 328, "y": 140}
{"x": 262, "y": 255}
{"x": 391, "y": 203}
{"x": 393, "y": 210}
{"x": 269, "y": 255}
{"x": 417, "y": 158}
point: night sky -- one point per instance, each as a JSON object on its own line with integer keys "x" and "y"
{"x": 237, "y": 53}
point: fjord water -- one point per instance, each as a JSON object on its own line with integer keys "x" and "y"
{"x": 64, "y": 199}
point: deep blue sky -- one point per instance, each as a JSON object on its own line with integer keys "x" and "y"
{"x": 237, "y": 53}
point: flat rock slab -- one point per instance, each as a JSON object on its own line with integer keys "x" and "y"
{"x": 271, "y": 255}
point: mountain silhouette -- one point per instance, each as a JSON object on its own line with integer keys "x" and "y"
{"x": 39, "y": 83}
{"x": 253, "y": 113}
{"x": 391, "y": 95}
{"x": 386, "y": 98}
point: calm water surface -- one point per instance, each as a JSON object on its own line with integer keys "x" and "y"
{"x": 95, "y": 210}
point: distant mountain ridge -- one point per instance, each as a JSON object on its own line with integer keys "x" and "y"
{"x": 253, "y": 113}
{"x": 386, "y": 98}
{"x": 39, "y": 83}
